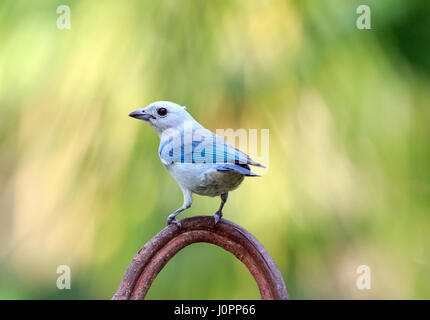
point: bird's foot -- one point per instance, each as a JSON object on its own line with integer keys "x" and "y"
{"x": 217, "y": 216}
{"x": 172, "y": 220}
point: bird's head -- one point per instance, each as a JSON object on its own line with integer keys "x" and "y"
{"x": 163, "y": 115}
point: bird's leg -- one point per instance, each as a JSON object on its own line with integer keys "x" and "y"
{"x": 188, "y": 200}
{"x": 218, "y": 214}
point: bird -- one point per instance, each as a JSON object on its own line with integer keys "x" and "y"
{"x": 200, "y": 161}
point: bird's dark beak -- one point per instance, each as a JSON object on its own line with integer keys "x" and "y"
{"x": 140, "y": 114}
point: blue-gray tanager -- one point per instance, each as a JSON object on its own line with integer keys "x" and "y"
{"x": 199, "y": 160}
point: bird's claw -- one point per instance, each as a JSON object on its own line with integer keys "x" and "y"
{"x": 217, "y": 216}
{"x": 172, "y": 220}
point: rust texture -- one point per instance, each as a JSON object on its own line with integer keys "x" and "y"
{"x": 149, "y": 260}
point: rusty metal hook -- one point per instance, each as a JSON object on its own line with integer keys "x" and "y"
{"x": 150, "y": 259}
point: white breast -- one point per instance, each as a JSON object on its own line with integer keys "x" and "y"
{"x": 203, "y": 178}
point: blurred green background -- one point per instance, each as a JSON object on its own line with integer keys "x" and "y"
{"x": 349, "y": 117}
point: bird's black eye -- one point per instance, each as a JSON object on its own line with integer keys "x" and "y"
{"x": 162, "y": 111}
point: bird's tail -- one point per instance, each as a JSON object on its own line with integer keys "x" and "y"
{"x": 243, "y": 169}
{"x": 255, "y": 164}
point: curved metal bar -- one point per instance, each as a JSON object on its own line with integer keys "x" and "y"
{"x": 149, "y": 260}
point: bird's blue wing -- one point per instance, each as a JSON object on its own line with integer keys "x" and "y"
{"x": 202, "y": 148}
{"x": 242, "y": 169}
